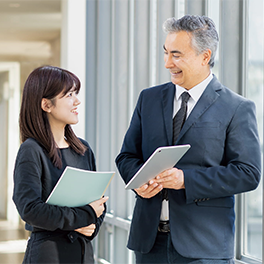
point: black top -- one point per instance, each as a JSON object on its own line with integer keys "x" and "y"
{"x": 34, "y": 178}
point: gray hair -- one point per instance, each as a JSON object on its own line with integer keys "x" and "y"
{"x": 202, "y": 29}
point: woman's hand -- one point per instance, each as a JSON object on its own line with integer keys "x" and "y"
{"x": 86, "y": 230}
{"x": 98, "y": 205}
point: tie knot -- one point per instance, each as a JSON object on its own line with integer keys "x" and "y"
{"x": 185, "y": 97}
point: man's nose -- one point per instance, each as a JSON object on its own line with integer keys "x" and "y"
{"x": 168, "y": 62}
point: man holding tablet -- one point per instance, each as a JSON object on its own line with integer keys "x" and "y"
{"x": 186, "y": 213}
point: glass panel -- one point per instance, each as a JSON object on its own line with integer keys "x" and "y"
{"x": 180, "y": 8}
{"x": 254, "y": 91}
{"x": 213, "y": 12}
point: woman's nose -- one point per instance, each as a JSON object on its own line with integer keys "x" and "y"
{"x": 77, "y": 100}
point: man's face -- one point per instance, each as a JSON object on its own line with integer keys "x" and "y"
{"x": 187, "y": 69}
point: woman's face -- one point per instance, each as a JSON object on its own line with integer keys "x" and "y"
{"x": 63, "y": 110}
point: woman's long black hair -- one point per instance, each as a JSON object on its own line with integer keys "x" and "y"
{"x": 46, "y": 82}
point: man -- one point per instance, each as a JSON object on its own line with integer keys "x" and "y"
{"x": 195, "y": 223}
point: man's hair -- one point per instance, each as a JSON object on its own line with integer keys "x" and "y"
{"x": 202, "y": 29}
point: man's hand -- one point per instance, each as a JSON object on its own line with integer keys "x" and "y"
{"x": 86, "y": 230}
{"x": 149, "y": 189}
{"x": 171, "y": 179}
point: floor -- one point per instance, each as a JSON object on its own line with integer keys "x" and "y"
{"x": 12, "y": 244}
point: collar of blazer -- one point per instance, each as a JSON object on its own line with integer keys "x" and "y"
{"x": 208, "y": 97}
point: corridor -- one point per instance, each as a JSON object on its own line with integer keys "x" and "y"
{"x": 12, "y": 244}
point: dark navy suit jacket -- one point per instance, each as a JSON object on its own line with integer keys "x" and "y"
{"x": 224, "y": 160}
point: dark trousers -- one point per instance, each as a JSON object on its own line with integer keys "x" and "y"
{"x": 49, "y": 247}
{"x": 163, "y": 252}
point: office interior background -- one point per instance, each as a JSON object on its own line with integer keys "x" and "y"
{"x": 115, "y": 48}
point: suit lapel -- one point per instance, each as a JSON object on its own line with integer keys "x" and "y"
{"x": 168, "y": 93}
{"x": 208, "y": 97}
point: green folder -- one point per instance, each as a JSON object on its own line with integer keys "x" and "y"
{"x": 78, "y": 187}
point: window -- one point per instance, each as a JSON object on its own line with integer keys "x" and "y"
{"x": 252, "y": 241}
{"x": 213, "y": 9}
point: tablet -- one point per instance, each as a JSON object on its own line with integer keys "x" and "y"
{"x": 163, "y": 158}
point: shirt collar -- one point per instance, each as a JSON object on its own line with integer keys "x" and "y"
{"x": 196, "y": 91}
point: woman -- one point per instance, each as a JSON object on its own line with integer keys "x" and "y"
{"x": 48, "y": 109}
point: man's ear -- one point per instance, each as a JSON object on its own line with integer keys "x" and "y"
{"x": 207, "y": 56}
{"x": 46, "y": 105}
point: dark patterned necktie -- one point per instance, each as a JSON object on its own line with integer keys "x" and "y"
{"x": 180, "y": 117}
{"x": 178, "y": 122}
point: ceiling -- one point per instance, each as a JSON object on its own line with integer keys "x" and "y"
{"x": 27, "y": 26}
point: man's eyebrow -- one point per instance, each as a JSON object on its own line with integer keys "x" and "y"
{"x": 173, "y": 51}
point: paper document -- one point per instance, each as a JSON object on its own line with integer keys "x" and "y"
{"x": 163, "y": 158}
{"x": 78, "y": 187}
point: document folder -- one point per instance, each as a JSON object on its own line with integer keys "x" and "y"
{"x": 78, "y": 187}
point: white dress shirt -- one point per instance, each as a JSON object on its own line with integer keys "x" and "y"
{"x": 195, "y": 94}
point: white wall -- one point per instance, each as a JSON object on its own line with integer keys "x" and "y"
{"x": 73, "y": 46}
{"x": 12, "y": 96}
